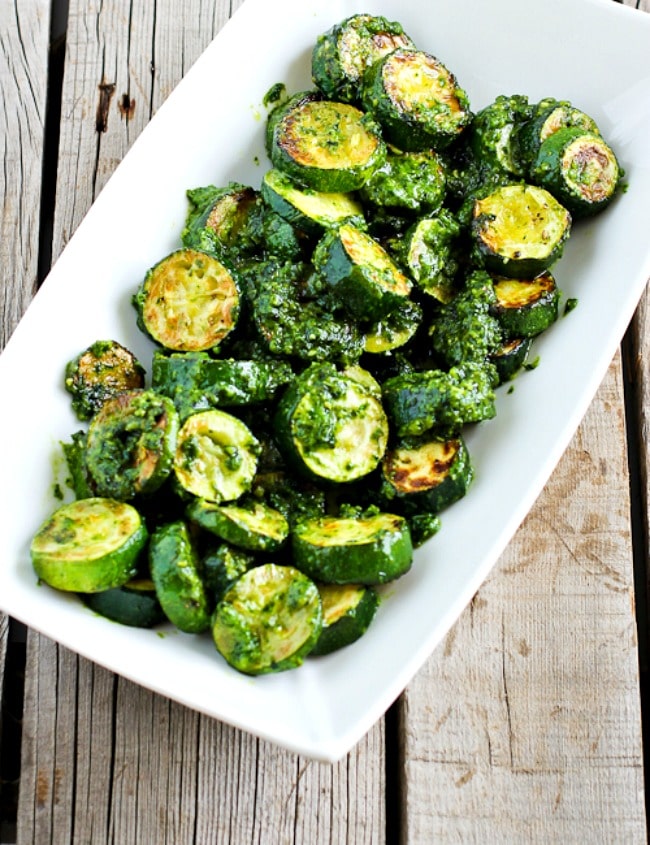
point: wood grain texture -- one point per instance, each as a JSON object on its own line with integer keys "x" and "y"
{"x": 103, "y": 760}
{"x": 525, "y": 724}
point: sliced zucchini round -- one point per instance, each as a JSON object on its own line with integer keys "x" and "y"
{"x": 493, "y": 131}
{"x": 416, "y": 100}
{"x": 219, "y": 218}
{"x": 331, "y": 425}
{"x": 253, "y": 526}
{"x": 526, "y": 307}
{"x": 511, "y": 357}
{"x": 216, "y": 456}
{"x": 429, "y": 251}
{"x": 342, "y": 55}
{"x": 410, "y": 181}
{"x": 394, "y": 330}
{"x": 174, "y": 571}
{"x": 327, "y": 146}
{"x": 519, "y": 230}
{"x": 308, "y": 210}
{"x": 220, "y": 567}
{"x": 268, "y": 620}
{"x": 131, "y": 443}
{"x": 134, "y": 604}
{"x": 188, "y": 302}
{"x": 427, "y": 474}
{"x": 370, "y": 550}
{"x": 547, "y": 117}
{"x": 578, "y": 168}
{"x": 89, "y": 545}
{"x": 363, "y": 277}
{"x": 100, "y": 372}
{"x": 348, "y": 610}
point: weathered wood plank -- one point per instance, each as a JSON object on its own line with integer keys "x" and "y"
{"x": 549, "y": 641}
{"x": 103, "y": 760}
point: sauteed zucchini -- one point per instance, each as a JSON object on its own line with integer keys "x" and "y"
{"x": 321, "y": 342}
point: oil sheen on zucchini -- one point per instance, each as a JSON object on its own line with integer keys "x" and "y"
{"x": 348, "y": 610}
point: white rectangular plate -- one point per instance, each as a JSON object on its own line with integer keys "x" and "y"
{"x": 591, "y": 52}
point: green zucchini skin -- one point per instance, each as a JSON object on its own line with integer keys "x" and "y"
{"x": 429, "y": 251}
{"x": 519, "y": 230}
{"x": 361, "y": 275}
{"x": 348, "y": 611}
{"x": 222, "y": 565}
{"x": 366, "y": 550}
{"x": 415, "y": 113}
{"x": 408, "y": 181}
{"x": 344, "y": 53}
{"x": 326, "y": 146}
{"x": 102, "y": 371}
{"x": 220, "y": 220}
{"x": 578, "y": 168}
{"x": 511, "y": 357}
{"x": 89, "y": 545}
{"x": 134, "y": 604}
{"x": 331, "y": 426}
{"x": 188, "y": 302}
{"x": 311, "y": 211}
{"x": 130, "y": 445}
{"x": 255, "y": 527}
{"x": 173, "y": 564}
{"x": 427, "y": 475}
{"x": 492, "y": 134}
{"x": 269, "y": 620}
{"x": 394, "y": 330}
{"x": 526, "y": 307}
{"x": 546, "y": 118}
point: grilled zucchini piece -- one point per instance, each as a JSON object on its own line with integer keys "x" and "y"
{"x": 429, "y": 252}
{"x": 326, "y": 146}
{"x": 519, "y": 230}
{"x": 526, "y": 307}
{"x": 342, "y": 55}
{"x": 493, "y": 131}
{"x": 253, "y": 526}
{"x": 308, "y": 210}
{"x": 546, "y": 118}
{"x": 578, "y": 168}
{"x": 408, "y": 181}
{"x": 348, "y": 610}
{"x": 89, "y": 545}
{"x": 131, "y": 443}
{"x": 188, "y": 302}
{"x": 134, "y": 604}
{"x": 361, "y": 274}
{"x": 416, "y": 100}
{"x": 427, "y": 474}
{"x": 268, "y": 620}
{"x": 216, "y": 456}
{"x": 394, "y": 330}
{"x": 220, "y": 219}
{"x": 372, "y": 549}
{"x": 331, "y": 425}
{"x": 221, "y": 566}
{"x": 100, "y": 372}
{"x": 173, "y": 563}
{"x": 510, "y": 357}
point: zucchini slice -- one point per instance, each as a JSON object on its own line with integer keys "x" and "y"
{"x": 547, "y": 117}
{"x": 331, "y": 425}
{"x": 369, "y": 550}
{"x": 100, "y": 372}
{"x": 493, "y": 132}
{"x": 216, "y": 456}
{"x": 427, "y": 474}
{"x": 511, "y": 357}
{"x": 363, "y": 277}
{"x": 519, "y": 230}
{"x": 188, "y": 302}
{"x": 131, "y": 443}
{"x": 578, "y": 168}
{"x": 219, "y": 218}
{"x": 174, "y": 571}
{"x": 222, "y": 566}
{"x": 134, "y": 604}
{"x": 89, "y": 545}
{"x": 394, "y": 330}
{"x": 348, "y": 610}
{"x": 268, "y": 620}
{"x": 255, "y": 526}
{"x": 326, "y": 146}
{"x": 342, "y": 55}
{"x": 308, "y": 210}
{"x": 416, "y": 100}
{"x": 408, "y": 181}
{"x": 526, "y": 307}
{"x": 429, "y": 251}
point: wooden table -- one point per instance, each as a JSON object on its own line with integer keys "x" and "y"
{"x": 525, "y": 724}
